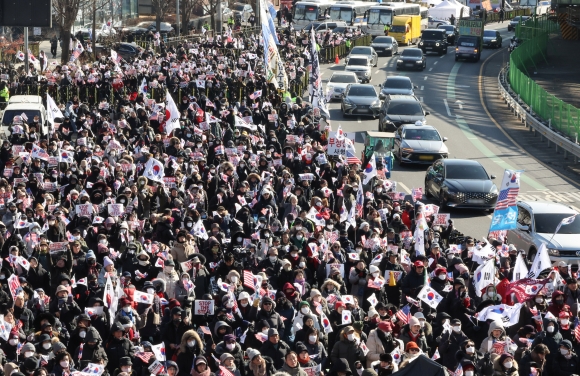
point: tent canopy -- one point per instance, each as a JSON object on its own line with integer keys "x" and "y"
{"x": 446, "y": 8}
{"x": 422, "y": 366}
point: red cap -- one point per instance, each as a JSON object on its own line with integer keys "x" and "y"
{"x": 418, "y": 263}
{"x": 411, "y": 345}
{"x": 563, "y": 315}
{"x": 385, "y": 326}
{"x": 339, "y": 304}
{"x": 440, "y": 270}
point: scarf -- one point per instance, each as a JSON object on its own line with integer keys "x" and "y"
{"x": 304, "y": 361}
{"x": 204, "y": 373}
{"x": 258, "y": 369}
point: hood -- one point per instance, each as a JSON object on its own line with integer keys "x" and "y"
{"x": 397, "y": 91}
{"x": 171, "y": 363}
{"x": 363, "y": 101}
{"x": 557, "y": 293}
{"x": 556, "y": 326}
{"x": 405, "y": 118}
{"x": 357, "y": 68}
{"x": 220, "y": 324}
{"x": 327, "y": 282}
{"x": 465, "y": 185}
{"x": 341, "y": 366}
{"x": 158, "y": 281}
{"x": 186, "y": 335}
{"x": 559, "y": 241}
{"x": 495, "y": 325}
{"x": 287, "y": 286}
{"x": 499, "y": 368}
{"x": 425, "y": 145}
{"x": 269, "y": 300}
{"x": 409, "y": 58}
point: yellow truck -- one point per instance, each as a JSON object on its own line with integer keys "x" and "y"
{"x": 406, "y": 29}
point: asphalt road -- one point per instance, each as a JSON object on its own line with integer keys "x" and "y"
{"x": 450, "y": 91}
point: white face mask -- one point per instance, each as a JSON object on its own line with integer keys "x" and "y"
{"x": 350, "y": 337}
{"x": 127, "y": 309}
{"x": 305, "y": 310}
{"x": 191, "y": 343}
{"x": 28, "y": 354}
{"x": 312, "y": 339}
{"x": 46, "y": 346}
{"x": 230, "y": 346}
{"x": 564, "y": 321}
{"x": 64, "y": 364}
{"x": 273, "y": 258}
{"x": 229, "y": 305}
{"x": 564, "y": 351}
{"x": 126, "y": 369}
{"x": 189, "y": 224}
{"x": 375, "y": 274}
{"x": 470, "y": 349}
{"x": 508, "y": 365}
{"x": 539, "y": 300}
{"x": 244, "y": 304}
{"x": 302, "y": 264}
{"x": 13, "y": 342}
{"x": 468, "y": 373}
{"x": 298, "y": 228}
{"x": 239, "y": 239}
{"x": 457, "y": 328}
{"x": 83, "y": 334}
{"x": 168, "y": 269}
{"x": 265, "y": 331}
{"x": 550, "y": 329}
{"x": 234, "y": 279}
{"x": 442, "y": 277}
{"x": 143, "y": 262}
{"x": 299, "y": 237}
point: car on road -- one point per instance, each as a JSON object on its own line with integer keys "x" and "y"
{"x": 361, "y": 66}
{"x": 101, "y": 31}
{"x": 366, "y": 51}
{"x": 360, "y": 99}
{"x": 344, "y": 29}
{"x": 434, "y": 23}
{"x": 536, "y": 224}
{"x": 323, "y": 27}
{"x": 468, "y": 47}
{"x": 127, "y": 50}
{"x": 434, "y": 40}
{"x": 412, "y": 58}
{"x": 451, "y": 31}
{"x": 242, "y": 12}
{"x": 386, "y": 45}
{"x": 338, "y": 82}
{"x": 144, "y": 27}
{"x": 492, "y": 39}
{"x": 397, "y": 85}
{"x": 419, "y": 144}
{"x": 516, "y": 20}
{"x": 398, "y": 110}
{"x": 460, "y": 183}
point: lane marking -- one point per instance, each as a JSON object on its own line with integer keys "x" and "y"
{"x": 425, "y": 79}
{"x": 377, "y": 71}
{"x": 333, "y": 65}
{"x": 384, "y": 65}
{"x": 430, "y": 69}
{"x": 422, "y": 87}
{"x": 462, "y": 86}
{"x": 441, "y": 57}
{"x": 404, "y": 187}
{"x": 358, "y": 120}
{"x": 435, "y": 63}
{"x": 447, "y": 107}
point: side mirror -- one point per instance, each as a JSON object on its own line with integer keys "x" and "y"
{"x": 445, "y": 139}
{"x": 415, "y": 87}
{"x": 427, "y": 113}
{"x": 523, "y": 228}
{"x": 397, "y": 136}
{"x": 492, "y": 177}
{"x": 382, "y": 96}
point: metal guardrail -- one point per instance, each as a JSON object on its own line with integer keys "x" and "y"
{"x": 534, "y": 122}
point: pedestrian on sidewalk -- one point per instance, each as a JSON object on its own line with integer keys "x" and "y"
{"x": 501, "y": 15}
{"x": 53, "y": 46}
{"x": 452, "y": 19}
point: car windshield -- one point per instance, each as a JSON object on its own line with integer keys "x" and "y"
{"x": 239, "y": 7}
{"x": 489, "y": 33}
{"x": 310, "y": 26}
{"x": 358, "y": 61}
{"x": 405, "y": 109}
{"x": 446, "y": 27}
{"x": 385, "y": 40}
{"x": 362, "y": 91}
{"x": 360, "y": 51}
{"x": 397, "y": 84}
{"x": 412, "y": 52}
{"x": 547, "y": 223}
{"x": 422, "y": 134}
{"x": 343, "y": 78}
{"x": 431, "y": 35}
{"x": 465, "y": 172}
{"x": 10, "y": 114}
{"x": 398, "y": 29}
{"x": 144, "y": 24}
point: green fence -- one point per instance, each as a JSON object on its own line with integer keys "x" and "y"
{"x": 562, "y": 116}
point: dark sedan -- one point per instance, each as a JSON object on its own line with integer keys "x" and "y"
{"x": 412, "y": 58}
{"x": 147, "y": 26}
{"x": 127, "y": 50}
{"x": 516, "y": 20}
{"x": 460, "y": 183}
{"x": 492, "y": 39}
{"x": 451, "y": 32}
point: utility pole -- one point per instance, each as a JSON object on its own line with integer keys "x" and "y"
{"x": 26, "y": 50}
{"x": 220, "y": 18}
{"x": 177, "y": 18}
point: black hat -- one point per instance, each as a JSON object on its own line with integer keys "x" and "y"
{"x": 176, "y": 311}
{"x": 125, "y": 361}
{"x": 386, "y": 357}
{"x": 30, "y": 364}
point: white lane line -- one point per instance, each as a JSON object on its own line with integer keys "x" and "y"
{"x": 488, "y": 216}
{"x": 322, "y": 73}
{"x": 430, "y": 69}
{"x": 422, "y": 87}
{"x": 441, "y": 57}
{"x": 447, "y": 107}
{"x": 385, "y": 64}
{"x": 404, "y": 187}
{"x": 462, "y": 86}
{"x": 377, "y": 71}
{"x": 425, "y": 78}
{"x": 435, "y": 63}
{"x": 333, "y": 65}
{"x": 358, "y": 120}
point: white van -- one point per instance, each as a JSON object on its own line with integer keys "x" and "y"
{"x": 31, "y": 105}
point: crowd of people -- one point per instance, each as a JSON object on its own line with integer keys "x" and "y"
{"x": 235, "y": 244}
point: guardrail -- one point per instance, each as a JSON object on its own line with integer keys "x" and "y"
{"x": 507, "y": 16}
{"x": 558, "y": 115}
{"x": 328, "y": 53}
{"x": 531, "y": 120}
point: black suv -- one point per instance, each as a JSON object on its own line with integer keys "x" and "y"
{"x": 434, "y": 40}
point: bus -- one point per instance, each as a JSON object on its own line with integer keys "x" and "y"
{"x": 381, "y": 15}
{"x": 305, "y": 12}
{"x": 349, "y": 11}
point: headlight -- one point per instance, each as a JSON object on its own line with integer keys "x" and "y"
{"x": 400, "y": 61}
{"x": 407, "y": 150}
{"x": 330, "y": 88}
{"x": 418, "y": 62}
{"x": 367, "y": 73}
{"x": 348, "y": 101}
{"x": 553, "y": 252}
{"x": 420, "y": 43}
{"x": 493, "y": 41}
{"x": 376, "y": 104}
{"x": 493, "y": 189}
{"x": 436, "y": 44}
{"x": 452, "y": 193}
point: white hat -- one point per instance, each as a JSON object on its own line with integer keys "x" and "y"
{"x": 372, "y": 312}
{"x": 107, "y": 261}
{"x": 373, "y": 269}
{"x": 252, "y": 353}
{"x": 243, "y": 295}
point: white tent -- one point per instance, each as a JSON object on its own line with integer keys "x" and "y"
{"x": 446, "y": 8}
{"x": 466, "y": 9}
{"x": 431, "y": 2}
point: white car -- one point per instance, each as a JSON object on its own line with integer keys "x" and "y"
{"x": 434, "y": 23}
{"x": 338, "y": 82}
{"x": 101, "y": 31}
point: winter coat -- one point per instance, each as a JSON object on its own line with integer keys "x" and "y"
{"x": 412, "y": 281}
{"x": 421, "y": 341}
{"x": 349, "y": 350}
{"x": 487, "y": 343}
{"x": 186, "y": 354}
{"x": 272, "y": 317}
{"x": 116, "y": 349}
{"x": 565, "y": 367}
{"x": 498, "y": 369}
{"x": 182, "y": 294}
{"x": 552, "y": 340}
{"x": 449, "y": 344}
{"x": 277, "y": 353}
{"x": 181, "y": 251}
{"x": 376, "y": 346}
{"x": 525, "y": 365}
{"x": 298, "y": 371}
{"x": 171, "y": 280}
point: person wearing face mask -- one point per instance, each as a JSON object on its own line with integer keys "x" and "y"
{"x": 231, "y": 347}
{"x": 347, "y": 348}
{"x": 566, "y": 362}
{"x": 504, "y": 365}
{"x": 191, "y": 346}
{"x": 92, "y": 349}
{"x": 551, "y": 336}
{"x": 28, "y": 350}
{"x": 182, "y": 248}
{"x": 440, "y": 282}
{"x": 491, "y": 294}
{"x": 125, "y": 366}
{"x": 184, "y": 289}
{"x": 450, "y": 343}
{"x": 380, "y": 341}
{"x": 495, "y": 333}
{"x": 171, "y": 278}
{"x": 175, "y": 330}
{"x": 469, "y": 355}
{"x": 558, "y": 303}
{"x": 63, "y": 364}
{"x": 375, "y": 285}
{"x": 126, "y": 310}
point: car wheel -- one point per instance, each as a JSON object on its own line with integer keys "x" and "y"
{"x": 427, "y": 191}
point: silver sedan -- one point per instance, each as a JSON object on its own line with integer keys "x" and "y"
{"x": 386, "y": 45}
{"x": 366, "y": 51}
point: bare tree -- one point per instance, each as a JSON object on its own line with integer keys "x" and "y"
{"x": 65, "y": 15}
{"x": 187, "y": 8}
{"x": 161, "y": 8}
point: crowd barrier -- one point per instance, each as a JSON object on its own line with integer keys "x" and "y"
{"x": 507, "y": 16}
{"x": 328, "y": 54}
{"x": 534, "y": 35}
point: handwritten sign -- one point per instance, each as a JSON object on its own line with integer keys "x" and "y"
{"x": 57, "y": 247}
{"x": 203, "y": 307}
{"x": 441, "y": 219}
{"x": 115, "y": 210}
{"x": 84, "y": 210}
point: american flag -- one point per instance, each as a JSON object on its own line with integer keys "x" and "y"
{"x": 360, "y": 201}
{"x": 458, "y": 371}
{"x": 351, "y": 158}
{"x": 332, "y": 236}
{"x": 225, "y": 371}
{"x": 205, "y": 330}
{"x": 144, "y": 356}
{"x": 249, "y": 280}
{"x": 577, "y": 329}
{"x": 404, "y": 314}
{"x": 331, "y": 299}
{"x": 507, "y": 198}
{"x": 81, "y": 350}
